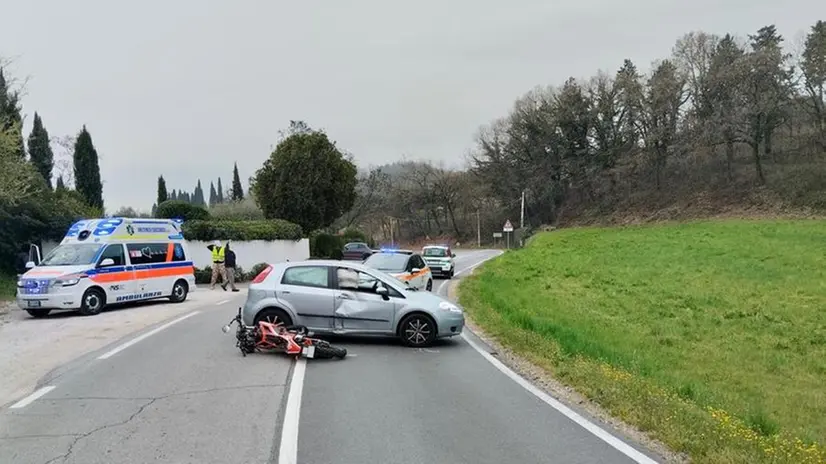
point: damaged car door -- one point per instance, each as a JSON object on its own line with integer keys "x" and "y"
{"x": 357, "y": 305}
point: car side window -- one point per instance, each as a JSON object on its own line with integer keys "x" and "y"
{"x": 115, "y": 253}
{"x": 307, "y": 276}
{"x": 418, "y": 262}
{"x": 178, "y": 253}
{"x": 147, "y": 253}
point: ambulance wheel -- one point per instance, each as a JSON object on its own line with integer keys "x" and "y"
{"x": 38, "y": 313}
{"x": 93, "y": 302}
{"x": 179, "y": 292}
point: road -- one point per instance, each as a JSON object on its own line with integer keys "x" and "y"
{"x": 181, "y": 393}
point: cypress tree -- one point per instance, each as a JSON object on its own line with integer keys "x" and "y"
{"x": 198, "y": 195}
{"x": 220, "y": 189}
{"x": 237, "y": 189}
{"x": 162, "y": 194}
{"x": 87, "y": 170}
{"x": 40, "y": 151}
{"x": 213, "y": 197}
{"x": 10, "y": 113}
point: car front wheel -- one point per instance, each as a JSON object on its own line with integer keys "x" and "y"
{"x": 417, "y": 330}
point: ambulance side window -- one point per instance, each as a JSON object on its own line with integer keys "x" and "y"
{"x": 115, "y": 253}
{"x": 147, "y": 253}
{"x": 178, "y": 253}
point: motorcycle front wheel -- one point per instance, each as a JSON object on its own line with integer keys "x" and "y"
{"x": 324, "y": 350}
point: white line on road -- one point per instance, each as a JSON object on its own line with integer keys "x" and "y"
{"x": 601, "y": 433}
{"x": 596, "y": 430}
{"x": 135, "y": 340}
{"x": 30, "y": 399}
{"x": 288, "y": 450}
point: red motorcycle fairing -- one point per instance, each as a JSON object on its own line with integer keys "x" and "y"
{"x": 274, "y": 337}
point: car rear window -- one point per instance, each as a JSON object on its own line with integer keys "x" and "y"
{"x": 393, "y": 262}
{"x": 435, "y": 252}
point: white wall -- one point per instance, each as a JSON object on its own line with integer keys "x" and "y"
{"x": 247, "y": 254}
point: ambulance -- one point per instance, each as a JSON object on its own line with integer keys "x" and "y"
{"x": 109, "y": 261}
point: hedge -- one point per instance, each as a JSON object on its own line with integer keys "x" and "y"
{"x": 171, "y": 209}
{"x": 204, "y": 275}
{"x": 326, "y": 246}
{"x": 270, "y": 229}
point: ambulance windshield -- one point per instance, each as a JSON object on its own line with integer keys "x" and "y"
{"x": 72, "y": 254}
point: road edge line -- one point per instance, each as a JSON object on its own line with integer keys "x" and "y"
{"x": 596, "y": 430}
{"x": 142, "y": 337}
{"x": 288, "y": 448}
{"x": 32, "y": 397}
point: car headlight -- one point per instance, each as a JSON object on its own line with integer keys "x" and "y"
{"x": 68, "y": 280}
{"x": 445, "y": 306}
{"x": 20, "y": 284}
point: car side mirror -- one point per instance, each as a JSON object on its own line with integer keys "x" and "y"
{"x": 30, "y": 264}
{"x": 453, "y": 255}
{"x": 107, "y": 262}
{"x": 382, "y": 290}
{"x": 415, "y": 270}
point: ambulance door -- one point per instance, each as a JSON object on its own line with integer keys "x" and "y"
{"x": 115, "y": 274}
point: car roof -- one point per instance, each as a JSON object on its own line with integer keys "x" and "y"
{"x": 436, "y": 246}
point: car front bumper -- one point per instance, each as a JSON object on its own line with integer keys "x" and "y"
{"x": 450, "y": 324}
{"x": 51, "y": 301}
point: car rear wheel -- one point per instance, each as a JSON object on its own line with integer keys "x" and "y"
{"x": 179, "y": 292}
{"x": 417, "y": 330}
{"x": 274, "y": 316}
{"x": 38, "y": 313}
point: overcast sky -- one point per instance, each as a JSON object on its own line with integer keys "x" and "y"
{"x": 184, "y": 88}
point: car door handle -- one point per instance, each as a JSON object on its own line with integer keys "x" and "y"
{"x": 344, "y": 296}
{"x": 285, "y": 292}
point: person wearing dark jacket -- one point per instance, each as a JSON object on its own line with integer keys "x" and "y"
{"x": 229, "y": 263}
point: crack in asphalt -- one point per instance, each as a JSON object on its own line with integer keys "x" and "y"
{"x": 149, "y": 401}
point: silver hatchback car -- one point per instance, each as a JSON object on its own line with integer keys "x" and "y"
{"x": 348, "y": 298}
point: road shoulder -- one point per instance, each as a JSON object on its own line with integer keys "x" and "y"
{"x": 543, "y": 380}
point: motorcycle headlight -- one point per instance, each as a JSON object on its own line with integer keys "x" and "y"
{"x": 446, "y": 306}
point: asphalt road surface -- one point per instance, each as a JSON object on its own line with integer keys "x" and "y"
{"x": 180, "y": 392}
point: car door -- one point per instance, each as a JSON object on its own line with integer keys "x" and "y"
{"x": 358, "y": 306}
{"x": 117, "y": 279}
{"x": 421, "y": 276}
{"x": 308, "y": 292}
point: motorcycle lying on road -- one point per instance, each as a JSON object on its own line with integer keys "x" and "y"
{"x": 293, "y": 340}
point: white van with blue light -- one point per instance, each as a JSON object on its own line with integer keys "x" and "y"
{"x": 105, "y": 261}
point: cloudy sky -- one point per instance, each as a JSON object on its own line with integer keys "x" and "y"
{"x": 184, "y": 88}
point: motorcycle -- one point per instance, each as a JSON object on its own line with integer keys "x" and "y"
{"x": 293, "y": 340}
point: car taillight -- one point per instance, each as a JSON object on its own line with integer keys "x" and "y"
{"x": 262, "y": 275}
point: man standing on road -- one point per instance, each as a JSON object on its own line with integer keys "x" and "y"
{"x": 218, "y": 258}
{"x": 229, "y": 263}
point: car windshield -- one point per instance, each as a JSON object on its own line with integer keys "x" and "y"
{"x": 392, "y": 262}
{"x": 436, "y": 252}
{"x": 73, "y": 254}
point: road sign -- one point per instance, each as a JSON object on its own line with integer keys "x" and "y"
{"x": 508, "y": 226}
{"x": 497, "y": 235}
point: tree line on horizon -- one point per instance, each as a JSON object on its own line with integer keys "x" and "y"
{"x": 217, "y": 194}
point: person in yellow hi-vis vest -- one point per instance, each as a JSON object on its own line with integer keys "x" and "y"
{"x": 218, "y": 266}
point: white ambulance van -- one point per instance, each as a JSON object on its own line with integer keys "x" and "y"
{"x": 108, "y": 261}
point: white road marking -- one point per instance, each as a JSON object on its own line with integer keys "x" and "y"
{"x": 596, "y": 430}
{"x": 288, "y": 450}
{"x": 222, "y": 302}
{"x": 30, "y": 399}
{"x": 135, "y": 340}
{"x": 599, "y": 432}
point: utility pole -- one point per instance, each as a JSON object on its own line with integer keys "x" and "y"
{"x": 478, "y": 230}
{"x": 522, "y": 212}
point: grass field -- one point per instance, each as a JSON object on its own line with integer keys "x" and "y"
{"x": 709, "y": 335}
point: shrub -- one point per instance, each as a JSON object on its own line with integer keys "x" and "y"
{"x": 171, "y": 209}
{"x": 204, "y": 275}
{"x": 274, "y": 229}
{"x": 244, "y": 210}
{"x": 355, "y": 235}
{"x": 327, "y": 246}
{"x": 256, "y": 270}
